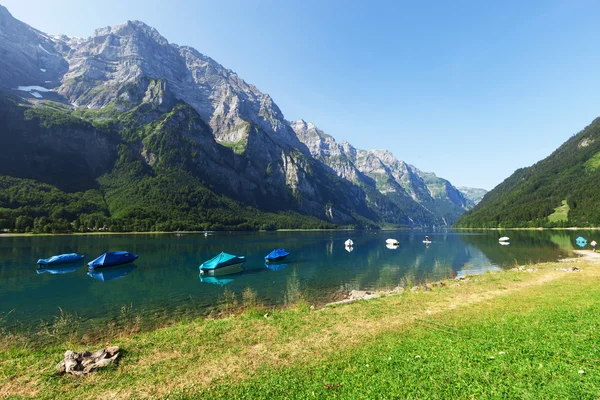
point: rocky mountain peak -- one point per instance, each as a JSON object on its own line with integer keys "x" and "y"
{"x": 4, "y": 13}
{"x": 132, "y": 28}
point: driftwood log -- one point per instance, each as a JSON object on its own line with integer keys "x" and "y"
{"x": 83, "y": 363}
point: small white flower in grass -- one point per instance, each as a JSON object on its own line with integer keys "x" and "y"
{"x": 389, "y": 358}
{"x": 367, "y": 365}
{"x": 492, "y": 358}
{"x": 501, "y": 352}
{"x": 417, "y": 356}
{"x": 581, "y": 372}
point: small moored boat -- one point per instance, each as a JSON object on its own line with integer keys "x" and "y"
{"x": 503, "y": 239}
{"x": 276, "y": 255}
{"x": 111, "y": 258}
{"x": 393, "y": 242}
{"x": 60, "y": 259}
{"x": 349, "y": 243}
{"x": 220, "y": 261}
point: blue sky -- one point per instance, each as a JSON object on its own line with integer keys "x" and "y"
{"x": 470, "y": 90}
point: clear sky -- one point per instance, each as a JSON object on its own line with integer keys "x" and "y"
{"x": 470, "y": 90}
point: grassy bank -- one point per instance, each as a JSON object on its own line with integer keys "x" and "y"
{"x": 514, "y": 334}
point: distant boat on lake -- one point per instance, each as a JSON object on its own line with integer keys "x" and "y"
{"x": 113, "y": 258}
{"x": 349, "y": 243}
{"x": 60, "y": 259}
{"x": 503, "y": 239}
{"x": 276, "y": 255}
{"x": 393, "y": 242}
{"x": 220, "y": 261}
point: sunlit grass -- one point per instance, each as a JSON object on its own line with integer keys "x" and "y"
{"x": 561, "y": 213}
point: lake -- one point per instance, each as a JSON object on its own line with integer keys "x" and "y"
{"x": 164, "y": 282}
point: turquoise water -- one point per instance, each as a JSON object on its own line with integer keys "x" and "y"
{"x": 164, "y": 282}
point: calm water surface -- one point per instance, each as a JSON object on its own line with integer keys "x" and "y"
{"x": 164, "y": 281}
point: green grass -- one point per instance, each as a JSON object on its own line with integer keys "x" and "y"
{"x": 521, "y": 347}
{"x": 238, "y": 147}
{"x": 593, "y": 163}
{"x": 561, "y": 213}
{"x": 500, "y": 335}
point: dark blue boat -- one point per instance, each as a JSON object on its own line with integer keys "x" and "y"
{"x": 111, "y": 274}
{"x": 276, "y": 255}
{"x": 60, "y": 259}
{"x": 220, "y": 261}
{"x": 111, "y": 258}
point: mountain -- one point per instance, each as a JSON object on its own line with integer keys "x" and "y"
{"x": 379, "y": 173}
{"x": 161, "y": 133}
{"x": 559, "y": 191}
{"x": 473, "y": 194}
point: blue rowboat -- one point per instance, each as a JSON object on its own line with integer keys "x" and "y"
{"x": 60, "y": 259}
{"x": 111, "y": 258}
{"x": 276, "y": 255}
{"x": 220, "y": 261}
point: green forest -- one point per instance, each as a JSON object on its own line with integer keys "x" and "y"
{"x": 563, "y": 190}
{"x": 46, "y": 187}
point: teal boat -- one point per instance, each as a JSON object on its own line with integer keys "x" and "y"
{"x": 221, "y": 261}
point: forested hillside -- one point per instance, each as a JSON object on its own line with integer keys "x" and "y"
{"x": 562, "y": 190}
{"x": 73, "y": 174}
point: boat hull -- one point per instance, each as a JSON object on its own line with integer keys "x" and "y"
{"x": 60, "y": 259}
{"x": 111, "y": 259}
{"x": 221, "y": 261}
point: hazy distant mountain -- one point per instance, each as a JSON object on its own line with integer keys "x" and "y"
{"x": 560, "y": 190}
{"x": 161, "y": 113}
{"x": 473, "y": 194}
{"x": 412, "y": 190}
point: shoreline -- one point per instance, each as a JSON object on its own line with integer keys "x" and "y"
{"x": 177, "y": 359}
{"x": 438, "y": 229}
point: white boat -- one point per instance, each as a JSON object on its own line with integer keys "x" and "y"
{"x": 392, "y": 241}
{"x": 391, "y": 246}
{"x": 503, "y": 239}
{"x": 427, "y": 241}
{"x": 504, "y": 243}
{"x": 349, "y": 243}
{"x": 349, "y": 249}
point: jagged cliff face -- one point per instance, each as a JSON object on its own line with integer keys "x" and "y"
{"x": 380, "y": 170}
{"x": 232, "y": 136}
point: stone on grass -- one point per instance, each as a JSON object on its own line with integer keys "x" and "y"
{"x": 83, "y": 363}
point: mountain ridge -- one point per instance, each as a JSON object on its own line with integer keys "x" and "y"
{"x": 131, "y": 81}
{"x": 559, "y": 191}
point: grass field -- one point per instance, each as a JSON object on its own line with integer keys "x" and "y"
{"x": 516, "y": 334}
